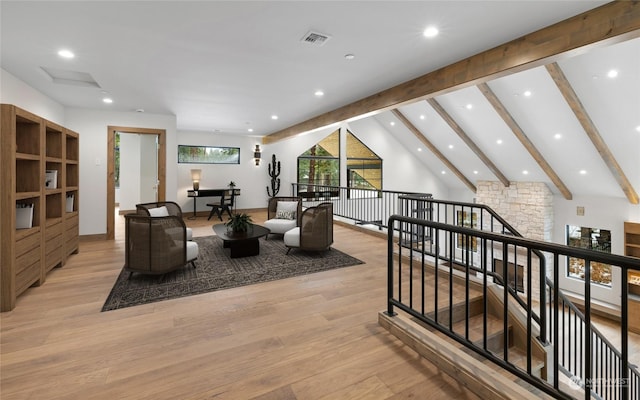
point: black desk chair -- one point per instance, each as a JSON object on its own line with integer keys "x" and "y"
{"x": 225, "y": 204}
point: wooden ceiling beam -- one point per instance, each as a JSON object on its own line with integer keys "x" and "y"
{"x": 524, "y": 139}
{"x": 592, "y": 132}
{"x": 611, "y": 23}
{"x": 434, "y": 150}
{"x": 467, "y": 140}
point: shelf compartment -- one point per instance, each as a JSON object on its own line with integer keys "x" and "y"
{"x": 53, "y": 208}
{"x": 35, "y": 201}
{"x": 53, "y": 140}
{"x": 72, "y": 148}
{"x": 71, "y": 201}
{"x": 28, "y": 128}
{"x": 71, "y": 174}
{"x": 27, "y": 176}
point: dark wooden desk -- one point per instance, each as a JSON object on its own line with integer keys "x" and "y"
{"x": 207, "y": 193}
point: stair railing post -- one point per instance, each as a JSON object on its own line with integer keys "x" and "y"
{"x": 390, "y": 231}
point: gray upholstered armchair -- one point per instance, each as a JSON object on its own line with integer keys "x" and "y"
{"x": 315, "y": 231}
{"x": 283, "y": 214}
{"x": 157, "y": 245}
{"x": 162, "y": 209}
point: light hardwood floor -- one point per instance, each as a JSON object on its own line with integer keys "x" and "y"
{"x": 309, "y": 337}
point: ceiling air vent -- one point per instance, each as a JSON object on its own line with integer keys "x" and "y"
{"x": 315, "y": 38}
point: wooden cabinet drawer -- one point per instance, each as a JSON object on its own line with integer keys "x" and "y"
{"x": 71, "y": 223}
{"x": 27, "y": 244}
{"x": 71, "y": 246}
{"x": 53, "y": 252}
{"x": 27, "y": 276}
{"x": 53, "y": 231}
{"x": 27, "y": 259}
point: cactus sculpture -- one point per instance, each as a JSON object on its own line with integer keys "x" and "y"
{"x": 274, "y": 172}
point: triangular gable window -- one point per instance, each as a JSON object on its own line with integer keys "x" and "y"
{"x": 364, "y": 167}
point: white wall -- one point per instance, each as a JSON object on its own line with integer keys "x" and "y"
{"x": 249, "y": 178}
{"x": 92, "y": 127}
{"x": 16, "y": 92}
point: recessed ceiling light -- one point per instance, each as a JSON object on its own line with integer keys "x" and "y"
{"x": 583, "y": 172}
{"x": 430, "y": 32}
{"x": 499, "y": 141}
{"x": 525, "y": 172}
{"x": 443, "y": 172}
{"x": 319, "y": 93}
{"x": 527, "y": 93}
{"x": 475, "y": 172}
{"x": 250, "y": 129}
{"x": 64, "y": 53}
{"x": 557, "y": 136}
{"x": 469, "y": 106}
{"x": 392, "y": 123}
{"x": 274, "y": 117}
{"x": 451, "y": 146}
{"x": 612, "y": 73}
{"x": 638, "y": 128}
{"x": 107, "y": 100}
{"x": 349, "y": 56}
{"x": 422, "y": 117}
{"x": 419, "y": 148}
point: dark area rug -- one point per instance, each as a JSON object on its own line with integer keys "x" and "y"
{"x": 216, "y": 270}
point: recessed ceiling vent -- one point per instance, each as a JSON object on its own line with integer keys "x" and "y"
{"x": 315, "y": 38}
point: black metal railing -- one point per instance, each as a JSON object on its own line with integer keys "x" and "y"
{"x": 364, "y": 206}
{"x": 467, "y": 248}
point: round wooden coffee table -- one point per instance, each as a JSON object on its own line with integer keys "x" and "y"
{"x": 243, "y": 244}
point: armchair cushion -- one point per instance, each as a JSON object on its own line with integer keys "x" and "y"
{"x": 285, "y": 214}
{"x": 292, "y": 237}
{"x": 192, "y": 251}
{"x": 158, "y": 211}
{"x": 287, "y": 208}
{"x": 280, "y": 226}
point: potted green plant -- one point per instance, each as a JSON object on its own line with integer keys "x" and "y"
{"x": 239, "y": 223}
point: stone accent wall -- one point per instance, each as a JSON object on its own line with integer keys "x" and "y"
{"x": 527, "y": 206}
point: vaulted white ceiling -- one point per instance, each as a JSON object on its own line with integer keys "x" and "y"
{"x": 613, "y": 105}
{"x": 230, "y": 65}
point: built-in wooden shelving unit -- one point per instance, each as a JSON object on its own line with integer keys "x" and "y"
{"x": 39, "y": 170}
{"x": 632, "y": 248}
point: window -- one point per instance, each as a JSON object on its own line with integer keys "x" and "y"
{"x": 208, "y": 155}
{"x": 320, "y": 166}
{"x": 468, "y": 220}
{"x": 593, "y": 239}
{"x": 364, "y": 167}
